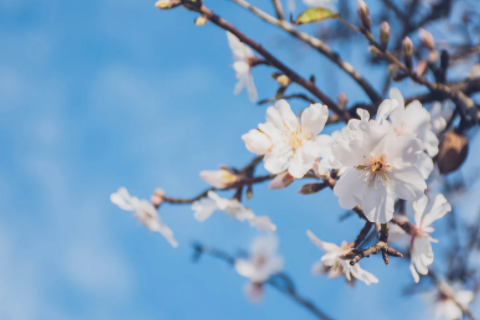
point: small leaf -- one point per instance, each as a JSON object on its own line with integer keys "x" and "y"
{"x": 314, "y": 15}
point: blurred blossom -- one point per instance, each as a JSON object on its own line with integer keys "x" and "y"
{"x": 289, "y": 142}
{"x": 145, "y": 212}
{"x": 205, "y": 207}
{"x": 447, "y": 303}
{"x": 261, "y": 265}
{"x": 335, "y": 265}
{"x": 241, "y": 56}
{"x": 219, "y": 179}
{"x": 427, "y": 210}
{"x": 328, "y": 4}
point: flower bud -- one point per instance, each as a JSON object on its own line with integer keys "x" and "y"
{"x": 201, "y": 20}
{"x": 282, "y": 180}
{"x": 219, "y": 179}
{"x": 384, "y": 34}
{"x": 312, "y": 188}
{"x": 375, "y": 51}
{"x": 421, "y": 67}
{"x": 249, "y": 192}
{"x": 163, "y": 4}
{"x": 407, "y": 48}
{"x": 427, "y": 39}
{"x": 342, "y": 100}
{"x": 364, "y": 14}
{"x": 283, "y": 80}
{"x": 157, "y": 197}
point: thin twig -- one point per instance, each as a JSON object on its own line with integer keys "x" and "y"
{"x": 318, "y": 45}
{"x": 287, "y": 288}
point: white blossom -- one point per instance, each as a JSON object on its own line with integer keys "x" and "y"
{"x": 378, "y": 166}
{"x": 219, "y": 179}
{"x": 333, "y": 263}
{"x": 263, "y": 261}
{"x": 205, "y": 207}
{"x": 413, "y": 119}
{"x": 145, "y": 212}
{"x": 241, "y": 56}
{"x": 426, "y": 212}
{"x": 448, "y": 303}
{"x": 289, "y": 142}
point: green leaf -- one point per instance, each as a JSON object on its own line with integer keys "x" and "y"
{"x": 314, "y": 15}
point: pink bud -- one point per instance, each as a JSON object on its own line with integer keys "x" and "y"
{"x": 281, "y": 181}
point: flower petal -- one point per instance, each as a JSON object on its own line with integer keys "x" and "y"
{"x": 408, "y": 183}
{"x": 313, "y": 118}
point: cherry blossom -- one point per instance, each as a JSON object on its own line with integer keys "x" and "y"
{"x": 289, "y": 142}
{"x": 426, "y": 212}
{"x": 242, "y": 56}
{"x": 205, "y": 207}
{"x": 448, "y": 303}
{"x": 335, "y": 265}
{"x": 378, "y": 166}
{"x": 145, "y": 212}
{"x": 219, "y": 179}
{"x": 261, "y": 265}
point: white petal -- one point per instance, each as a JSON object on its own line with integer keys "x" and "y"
{"x": 300, "y": 164}
{"x": 408, "y": 183}
{"x": 239, "y": 49}
{"x": 313, "y": 118}
{"x": 378, "y": 205}
{"x": 350, "y": 188}
{"x": 419, "y": 209}
{"x": 363, "y": 275}
{"x": 425, "y": 165}
{"x": 402, "y": 151}
{"x": 281, "y": 181}
{"x": 352, "y": 153}
{"x": 123, "y": 200}
{"x": 397, "y": 115}
{"x": 252, "y": 91}
{"x": 422, "y": 254}
{"x": 385, "y": 109}
{"x": 277, "y": 162}
{"x": 430, "y": 143}
{"x": 436, "y": 209}
{"x": 415, "y": 274}
{"x": 263, "y": 223}
{"x": 320, "y": 146}
{"x": 257, "y": 142}
{"x": 203, "y": 209}
{"x": 238, "y": 86}
{"x": 244, "y": 268}
{"x": 282, "y": 115}
{"x": 363, "y": 114}
{"x": 324, "y": 246}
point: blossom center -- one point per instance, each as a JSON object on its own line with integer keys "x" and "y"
{"x": 377, "y": 170}
{"x": 294, "y": 136}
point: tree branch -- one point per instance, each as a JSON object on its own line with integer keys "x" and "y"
{"x": 318, "y": 45}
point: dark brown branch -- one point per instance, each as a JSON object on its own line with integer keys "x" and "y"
{"x": 362, "y": 235}
{"x": 318, "y": 45}
{"x": 308, "y": 85}
{"x": 288, "y": 97}
{"x": 286, "y": 287}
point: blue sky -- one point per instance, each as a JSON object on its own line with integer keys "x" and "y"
{"x": 95, "y": 95}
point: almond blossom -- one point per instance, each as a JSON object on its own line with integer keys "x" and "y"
{"x": 448, "y": 303}
{"x": 289, "y": 142}
{"x": 219, "y": 179}
{"x": 378, "y": 166}
{"x": 261, "y": 265}
{"x": 415, "y": 119}
{"x": 145, "y": 212}
{"x": 242, "y": 55}
{"x": 205, "y": 207}
{"x": 333, "y": 263}
{"x": 426, "y": 212}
